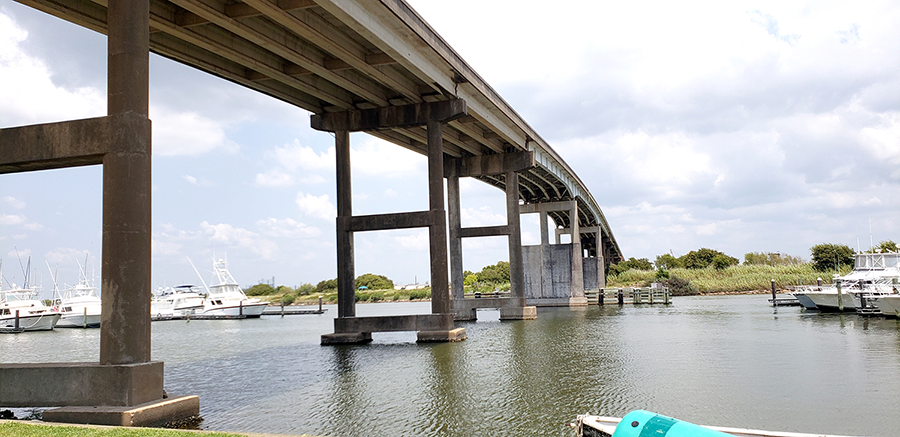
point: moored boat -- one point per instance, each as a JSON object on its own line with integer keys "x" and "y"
{"x": 22, "y": 310}
{"x": 79, "y": 306}
{"x": 176, "y": 302}
{"x": 870, "y": 272}
{"x": 226, "y": 298}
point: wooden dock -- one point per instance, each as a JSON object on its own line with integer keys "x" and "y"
{"x": 631, "y": 295}
{"x": 785, "y": 300}
{"x": 290, "y": 310}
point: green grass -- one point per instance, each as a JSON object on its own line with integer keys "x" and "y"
{"x": 734, "y": 279}
{"x": 21, "y": 429}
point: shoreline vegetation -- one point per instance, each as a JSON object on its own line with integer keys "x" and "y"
{"x": 735, "y": 279}
{"x": 699, "y": 272}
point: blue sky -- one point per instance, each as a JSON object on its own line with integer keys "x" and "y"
{"x": 740, "y": 126}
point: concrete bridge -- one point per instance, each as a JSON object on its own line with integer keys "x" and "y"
{"x": 368, "y": 66}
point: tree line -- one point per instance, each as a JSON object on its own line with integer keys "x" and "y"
{"x": 825, "y": 257}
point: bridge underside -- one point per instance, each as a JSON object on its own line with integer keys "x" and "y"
{"x": 375, "y": 60}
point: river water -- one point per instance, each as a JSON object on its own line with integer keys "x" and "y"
{"x": 725, "y": 360}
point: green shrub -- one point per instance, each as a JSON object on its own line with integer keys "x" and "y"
{"x": 681, "y": 287}
{"x": 260, "y": 290}
{"x": 306, "y": 289}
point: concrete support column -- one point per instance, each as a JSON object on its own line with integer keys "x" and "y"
{"x": 545, "y": 233}
{"x": 516, "y": 268}
{"x": 125, "y": 282}
{"x": 577, "y": 261}
{"x": 455, "y": 226}
{"x": 437, "y": 232}
{"x": 346, "y": 272}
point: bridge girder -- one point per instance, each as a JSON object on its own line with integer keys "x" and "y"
{"x": 330, "y": 55}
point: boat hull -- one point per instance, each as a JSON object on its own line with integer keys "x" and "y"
{"x": 36, "y": 322}
{"x": 79, "y": 321}
{"x": 249, "y": 311}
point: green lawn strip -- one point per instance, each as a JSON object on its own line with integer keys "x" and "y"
{"x": 20, "y": 429}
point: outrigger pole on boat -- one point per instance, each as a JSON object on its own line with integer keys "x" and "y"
{"x": 198, "y": 275}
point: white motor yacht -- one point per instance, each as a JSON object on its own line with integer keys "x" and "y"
{"x": 226, "y": 299}
{"x": 870, "y": 272}
{"x": 177, "y": 302}
{"x": 79, "y": 306}
{"x": 22, "y": 309}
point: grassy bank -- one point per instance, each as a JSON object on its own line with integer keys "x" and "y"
{"x": 390, "y": 295}
{"x": 28, "y": 429}
{"x": 741, "y": 278}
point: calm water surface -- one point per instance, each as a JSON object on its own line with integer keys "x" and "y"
{"x": 730, "y": 361}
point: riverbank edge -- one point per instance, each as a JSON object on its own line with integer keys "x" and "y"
{"x": 123, "y": 431}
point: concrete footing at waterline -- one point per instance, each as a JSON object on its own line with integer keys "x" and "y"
{"x": 156, "y": 413}
{"x": 441, "y": 336}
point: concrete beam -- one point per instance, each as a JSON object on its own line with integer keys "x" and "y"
{"x": 80, "y": 384}
{"x": 383, "y": 222}
{"x": 389, "y": 117}
{"x": 485, "y": 231}
{"x": 489, "y": 165}
{"x": 534, "y": 208}
{"x": 64, "y": 144}
{"x": 415, "y": 322}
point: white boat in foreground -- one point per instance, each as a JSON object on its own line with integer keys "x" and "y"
{"x": 226, "y": 299}
{"x": 22, "y": 310}
{"x": 644, "y": 423}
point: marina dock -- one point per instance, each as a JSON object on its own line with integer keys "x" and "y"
{"x": 632, "y": 295}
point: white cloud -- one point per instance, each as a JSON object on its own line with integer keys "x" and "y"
{"x": 35, "y": 98}
{"x": 12, "y": 219}
{"x": 14, "y": 203}
{"x": 316, "y": 206}
{"x": 234, "y": 236}
{"x": 187, "y": 133}
{"x": 287, "y": 228}
{"x": 376, "y": 157}
{"x": 274, "y": 178}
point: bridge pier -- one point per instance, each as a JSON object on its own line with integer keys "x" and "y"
{"x": 437, "y": 326}
{"x": 558, "y": 274}
{"x": 125, "y": 387}
{"x": 514, "y": 307}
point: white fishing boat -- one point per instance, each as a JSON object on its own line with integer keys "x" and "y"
{"x": 870, "y": 272}
{"x": 226, "y": 299}
{"x": 176, "y": 302}
{"x": 644, "y": 423}
{"x": 79, "y": 306}
{"x": 21, "y": 309}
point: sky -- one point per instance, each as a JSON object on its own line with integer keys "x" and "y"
{"x": 746, "y": 126}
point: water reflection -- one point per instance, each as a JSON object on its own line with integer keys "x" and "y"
{"x": 733, "y": 361}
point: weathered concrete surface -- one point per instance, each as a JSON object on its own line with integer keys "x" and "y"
{"x": 452, "y": 335}
{"x": 594, "y": 279}
{"x": 80, "y": 384}
{"x": 511, "y": 308}
{"x": 549, "y": 276}
{"x": 155, "y": 413}
{"x": 518, "y": 313}
{"x": 415, "y": 322}
{"x": 346, "y": 338}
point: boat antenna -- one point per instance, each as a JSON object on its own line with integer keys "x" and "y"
{"x": 56, "y": 294}
{"x": 198, "y": 275}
